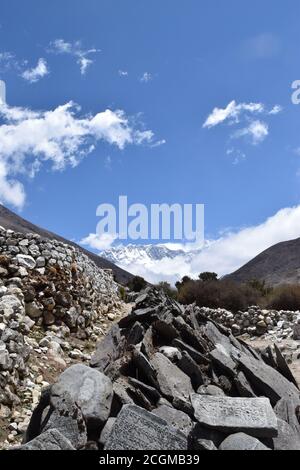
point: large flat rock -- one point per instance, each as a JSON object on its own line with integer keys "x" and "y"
{"x": 253, "y": 416}
{"x": 137, "y": 429}
{"x": 265, "y": 379}
{"x": 173, "y": 383}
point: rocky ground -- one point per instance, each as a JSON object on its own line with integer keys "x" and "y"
{"x": 166, "y": 377}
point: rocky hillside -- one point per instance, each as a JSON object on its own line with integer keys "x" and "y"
{"x": 10, "y": 220}
{"x": 167, "y": 378}
{"x": 279, "y": 264}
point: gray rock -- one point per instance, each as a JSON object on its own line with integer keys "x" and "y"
{"x": 149, "y": 391}
{"x": 205, "y": 444}
{"x": 196, "y": 355}
{"x": 26, "y": 261}
{"x": 287, "y": 439}
{"x": 34, "y": 310}
{"x": 137, "y": 429}
{"x": 172, "y": 381}
{"x": 243, "y": 386}
{"x": 175, "y": 418}
{"x": 222, "y": 359}
{"x": 268, "y": 381}
{"x": 68, "y": 419}
{"x": 108, "y": 349}
{"x": 211, "y": 390}
{"x": 241, "y": 441}
{"x": 49, "y": 440}
{"x": 191, "y": 368}
{"x": 254, "y": 416}
{"x": 171, "y": 353}
{"x": 136, "y": 334}
{"x": 90, "y": 389}
{"x": 106, "y": 430}
{"x": 283, "y": 367}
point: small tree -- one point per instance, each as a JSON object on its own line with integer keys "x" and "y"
{"x": 137, "y": 283}
{"x": 168, "y": 289}
{"x": 183, "y": 281}
{"x": 207, "y": 277}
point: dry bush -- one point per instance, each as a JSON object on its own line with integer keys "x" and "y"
{"x": 214, "y": 294}
{"x": 285, "y": 297}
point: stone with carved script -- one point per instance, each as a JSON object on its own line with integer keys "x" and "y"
{"x": 137, "y": 429}
{"x": 253, "y": 416}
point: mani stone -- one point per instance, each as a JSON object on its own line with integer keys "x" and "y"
{"x": 172, "y": 381}
{"x": 137, "y": 429}
{"x": 89, "y": 388}
{"x": 253, "y": 416}
{"x": 49, "y": 440}
{"x": 241, "y": 441}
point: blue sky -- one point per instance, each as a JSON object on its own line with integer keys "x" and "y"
{"x": 166, "y": 65}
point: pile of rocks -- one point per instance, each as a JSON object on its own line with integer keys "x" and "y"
{"x": 55, "y": 303}
{"x": 167, "y": 378}
{"x": 258, "y": 322}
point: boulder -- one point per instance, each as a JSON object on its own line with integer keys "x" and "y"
{"x": 90, "y": 389}
{"x": 254, "y": 416}
{"x": 241, "y": 441}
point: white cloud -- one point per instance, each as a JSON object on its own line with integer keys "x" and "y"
{"x": 258, "y": 131}
{"x": 10, "y": 190}
{"x": 146, "y": 77}
{"x": 235, "y": 115}
{"x": 232, "y": 112}
{"x": 99, "y": 242}
{"x": 35, "y": 74}
{"x": 60, "y": 46}
{"x": 276, "y": 109}
{"x": 225, "y": 254}
{"x": 123, "y": 73}
{"x": 8, "y": 61}
{"x": 60, "y": 136}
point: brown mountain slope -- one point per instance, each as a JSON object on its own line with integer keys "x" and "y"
{"x": 10, "y": 220}
{"x": 279, "y": 264}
